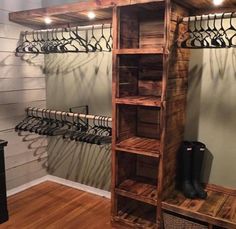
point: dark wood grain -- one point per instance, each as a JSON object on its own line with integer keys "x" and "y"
{"x": 140, "y": 100}
{"x": 136, "y": 214}
{"x": 138, "y": 191}
{"x": 228, "y": 210}
{"x": 139, "y": 145}
{"x": 218, "y": 209}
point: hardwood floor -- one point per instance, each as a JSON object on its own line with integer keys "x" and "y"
{"x": 52, "y": 205}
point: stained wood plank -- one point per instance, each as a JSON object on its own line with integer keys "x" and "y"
{"x": 213, "y": 204}
{"x": 138, "y": 190}
{"x": 138, "y": 51}
{"x": 228, "y": 210}
{"x": 136, "y": 214}
{"x": 218, "y": 209}
{"x": 140, "y": 100}
{"x": 140, "y": 145}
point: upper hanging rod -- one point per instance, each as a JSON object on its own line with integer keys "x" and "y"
{"x": 74, "y": 28}
{"x": 209, "y": 17}
{"x": 30, "y": 110}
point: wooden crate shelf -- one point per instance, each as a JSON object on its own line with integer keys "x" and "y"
{"x": 138, "y": 145}
{"x": 137, "y": 215}
{"x": 138, "y": 51}
{"x": 218, "y": 209}
{"x": 151, "y": 101}
{"x": 138, "y": 190}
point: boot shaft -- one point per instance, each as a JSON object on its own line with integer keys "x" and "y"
{"x": 198, "y": 156}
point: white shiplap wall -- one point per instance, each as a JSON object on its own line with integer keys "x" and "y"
{"x": 22, "y": 84}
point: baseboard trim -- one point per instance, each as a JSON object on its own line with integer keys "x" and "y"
{"x": 62, "y": 181}
{"x": 26, "y": 186}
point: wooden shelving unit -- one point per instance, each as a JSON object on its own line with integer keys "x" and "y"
{"x": 143, "y": 102}
{"x": 149, "y": 96}
{"x": 149, "y": 89}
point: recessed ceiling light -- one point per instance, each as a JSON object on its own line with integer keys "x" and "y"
{"x": 217, "y": 2}
{"x": 91, "y": 15}
{"x": 47, "y": 20}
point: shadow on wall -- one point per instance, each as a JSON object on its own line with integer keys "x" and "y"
{"x": 211, "y": 111}
{"x": 194, "y": 108}
{"x": 194, "y": 95}
{"x": 64, "y": 63}
{"x": 37, "y": 144}
{"x": 81, "y": 162}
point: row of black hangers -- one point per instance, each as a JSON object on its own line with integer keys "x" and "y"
{"x": 209, "y": 35}
{"x": 66, "y": 40}
{"x": 77, "y": 129}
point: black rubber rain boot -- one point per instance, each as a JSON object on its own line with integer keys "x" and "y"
{"x": 198, "y": 155}
{"x": 186, "y": 170}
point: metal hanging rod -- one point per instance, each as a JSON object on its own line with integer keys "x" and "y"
{"x": 209, "y": 17}
{"x": 78, "y": 28}
{"x": 65, "y": 114}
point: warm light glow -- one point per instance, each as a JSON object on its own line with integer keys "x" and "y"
{"x": 91, "y": 15}
{"x": 217, "y": 2}
{"x": 47, "y": 20}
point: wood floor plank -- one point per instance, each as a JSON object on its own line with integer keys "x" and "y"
{"x": 52, "y": 205}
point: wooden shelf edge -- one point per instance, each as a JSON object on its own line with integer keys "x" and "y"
{"x": 136, "y": 197}
{"x": 199, "y": 216}
{"x": 138, "y": 51}
{"x": 139, "y": 152}
{"x": 139, "y": 101}
{"x": 123, "y": 222}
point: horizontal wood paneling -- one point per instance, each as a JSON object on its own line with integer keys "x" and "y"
{"x": 22, "y": 84}
{"x": 24, "y": 173}
{"x": 24, "y": 158}
{"x": 18, "y": 109}
{"x": 10, "y": 122}
{"x": 7, "y": 45}
{"x": 8, "y": 59}
{"x": 22, "y": 96}
{"x": 21, "y": 71}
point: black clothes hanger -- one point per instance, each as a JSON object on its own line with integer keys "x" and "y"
{"x": 196, "y": 39}
{"x": 188, "y": 35}
{"x": 109, "y": 41}
{"x": 94, "y": 42}
{"x": 231, "y": 29}
{"x": 218, "y": 40}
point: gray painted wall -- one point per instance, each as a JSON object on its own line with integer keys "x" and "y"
{"x": 22, "y": 84}
{"x": 211, "y": 112}
{"x": 74, "y": 80}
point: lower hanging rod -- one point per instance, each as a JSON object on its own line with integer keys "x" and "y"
{"x": 209, "y": 17}
{"x": 66, "y": 114}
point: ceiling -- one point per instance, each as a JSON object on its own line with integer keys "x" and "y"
{"x": 76, "y": 13}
